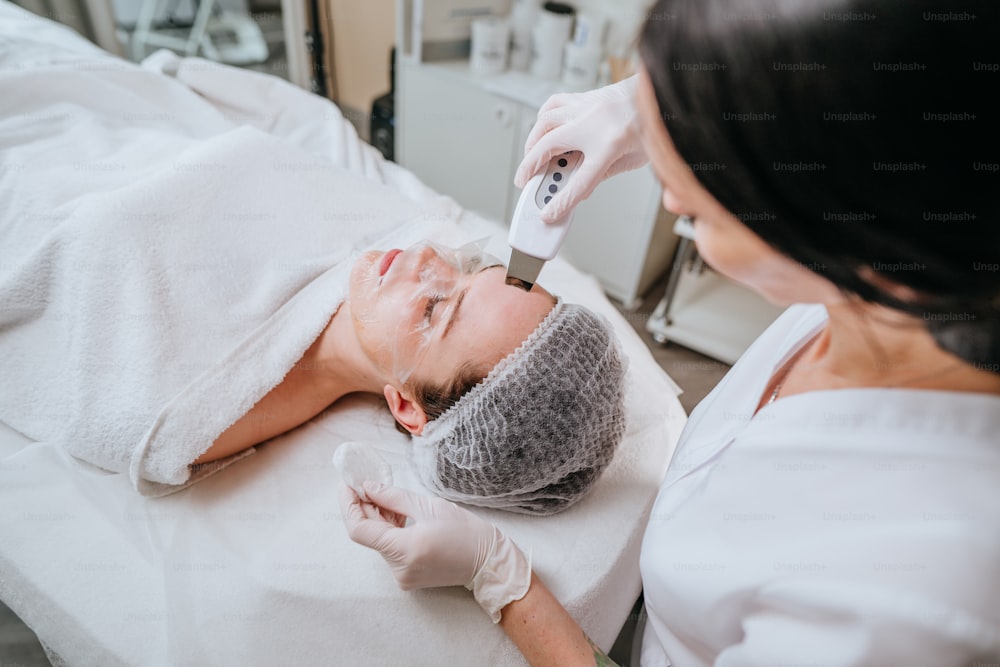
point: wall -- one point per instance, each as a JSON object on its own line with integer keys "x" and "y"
{"x": 363, "y": 34}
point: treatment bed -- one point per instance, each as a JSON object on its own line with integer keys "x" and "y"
{"x": 252, "y": 565}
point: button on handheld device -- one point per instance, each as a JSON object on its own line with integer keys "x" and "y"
{"x": 532, "y": 241}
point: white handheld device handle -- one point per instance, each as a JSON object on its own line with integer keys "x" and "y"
{"x": 528, "y": 233}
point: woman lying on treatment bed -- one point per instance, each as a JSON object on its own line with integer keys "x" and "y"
{"x": 176, "y": 246}
{"x": 178, "y": 293}
{"x": 427, "y": 328}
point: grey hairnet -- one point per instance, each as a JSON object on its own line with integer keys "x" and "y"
{"x": 537, "y": 432}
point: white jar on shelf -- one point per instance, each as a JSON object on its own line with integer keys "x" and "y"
{"x": 490, "y": 45}
{"x": 581, "y": 66}
{"x": 522, "y": 20}
{"x": 584, "y": 55}
{"x": 551, "y": 32}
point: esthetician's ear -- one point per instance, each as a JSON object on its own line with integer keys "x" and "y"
{"x": 406, "y": 411}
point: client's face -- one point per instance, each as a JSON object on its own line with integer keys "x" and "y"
{"x": 426, "y": 311}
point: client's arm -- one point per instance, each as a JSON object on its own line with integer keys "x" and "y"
{"x": 302, "y": 395}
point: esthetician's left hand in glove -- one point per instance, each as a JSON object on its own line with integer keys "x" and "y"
{"x": 443, "y": 545}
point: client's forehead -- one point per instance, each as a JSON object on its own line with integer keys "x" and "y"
{"x": 490, "y": 301}
{"x": 493, "y": 319}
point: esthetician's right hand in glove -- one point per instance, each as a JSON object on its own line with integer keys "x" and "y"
{"x": 601, "y": 124}
{"x": 443, "y": 545}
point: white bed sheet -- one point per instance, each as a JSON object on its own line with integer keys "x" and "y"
{"x": 253, "y": 565}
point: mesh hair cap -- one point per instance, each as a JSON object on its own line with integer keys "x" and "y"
{"x": 537, "y": 432}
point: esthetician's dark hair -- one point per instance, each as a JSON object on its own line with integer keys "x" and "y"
{"x": 851, "y": 136}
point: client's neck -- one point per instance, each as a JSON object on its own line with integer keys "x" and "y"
{"x": 337, "y": 362}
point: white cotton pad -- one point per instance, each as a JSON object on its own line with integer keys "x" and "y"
{"x": 358, "y": 463}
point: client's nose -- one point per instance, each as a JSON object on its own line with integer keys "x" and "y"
{"x": 425, "y": 254}
{"x": 430, "y": 267}
{"x": 416, "y": 260}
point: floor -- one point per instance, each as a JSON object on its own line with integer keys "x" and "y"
{"x": 18, "y": 645}
{"x": 697, "y": 374}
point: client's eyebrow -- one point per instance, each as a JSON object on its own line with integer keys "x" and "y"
{"x": 454, "y": 313}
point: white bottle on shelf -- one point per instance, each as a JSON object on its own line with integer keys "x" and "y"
{"x": 522, "y": 20}
{"x": 550, "y": 33}
{"x": 490, "y": 45}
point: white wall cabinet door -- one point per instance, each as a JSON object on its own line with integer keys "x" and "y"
{"x": 456, "y": 138}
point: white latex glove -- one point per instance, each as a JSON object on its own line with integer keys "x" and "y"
{"x": 444, "y": 545}
{"x": 601, "y": 124}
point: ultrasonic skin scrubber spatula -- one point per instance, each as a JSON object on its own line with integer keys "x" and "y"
{"x": 532, "y": 241}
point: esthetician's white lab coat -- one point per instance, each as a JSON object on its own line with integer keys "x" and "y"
{"x": 848, "y": 527}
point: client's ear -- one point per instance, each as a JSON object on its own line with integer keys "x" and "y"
{"x": 406, "y": 410}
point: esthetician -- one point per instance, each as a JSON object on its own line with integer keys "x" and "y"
{"x": 836, "y": 499}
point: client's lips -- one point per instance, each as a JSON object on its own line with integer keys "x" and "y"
{"x": 387, "y": 260}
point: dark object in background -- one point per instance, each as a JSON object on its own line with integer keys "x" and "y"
{"x": 318, "y": 81}
{"x": 558, "y": 8}
{"x": 383, "y": 121}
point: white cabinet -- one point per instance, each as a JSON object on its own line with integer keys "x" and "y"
{"x": 464, "y": 136}
{"x": 458, "y": 139}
